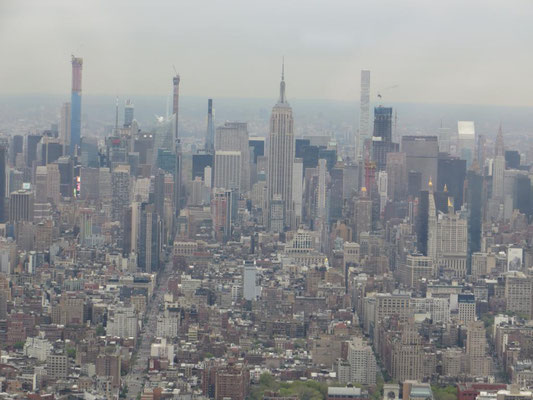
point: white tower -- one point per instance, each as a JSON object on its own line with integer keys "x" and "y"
{"x": 364, "y": 115}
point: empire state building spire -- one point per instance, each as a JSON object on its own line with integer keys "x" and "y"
{"x": 282, "y": 98}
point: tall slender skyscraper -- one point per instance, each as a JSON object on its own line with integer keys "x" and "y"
{"x": 281, "y": 156}
{"x": 498, "y": 172}
{"x": 177, "y": 172}
{"x": 210, "y": 135}
{"x": 75, "y": 101}
{"x": 64, "y": 127}
{"x": 364, "y": 114}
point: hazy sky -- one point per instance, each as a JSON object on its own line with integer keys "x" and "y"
{"x": 464, "y": 51}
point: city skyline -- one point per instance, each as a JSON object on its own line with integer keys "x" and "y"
{"x": 153, "y": 248}
{"x": 423, "y": 67}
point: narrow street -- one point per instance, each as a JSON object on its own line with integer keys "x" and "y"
{"x": 136, "y": 378}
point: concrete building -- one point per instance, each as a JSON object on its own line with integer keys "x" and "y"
{"x": 121, "y": 191}
{"x": 57, "y": 366}
{"x": 228, "y": 169}
{"x": 422, "y": 156}
{"x": 518, "y": 293}
{"x": 249, "y": 280}
{"x": 363, "y": 367}
{"x": 233, "y": 137}
{"x": 21, "y": 206}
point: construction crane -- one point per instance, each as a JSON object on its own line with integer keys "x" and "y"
{"x": 386, "y": 89}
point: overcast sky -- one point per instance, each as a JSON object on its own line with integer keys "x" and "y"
{"x": 453, "y": 51}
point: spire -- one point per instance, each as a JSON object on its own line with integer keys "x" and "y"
{"x": 430, "y": 184}
{"x": 282, "y": 83}
{"x": 499, "y": 150}
{"x": 116, "y": 116}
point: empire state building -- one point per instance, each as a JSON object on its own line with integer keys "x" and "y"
{"x": 280, "y": 163}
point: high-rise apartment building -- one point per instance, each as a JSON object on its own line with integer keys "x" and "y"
{"x": 177, "y": 147}
{"x": 363, "y": 366}
{"x": 364, "y": 115}
{"x": 281, "y": 158}
{"x": 3, "y": 183}
{"x": 407, "y": 356}
{"x": 478, "y": 364}
{"x": 75, "y": 105}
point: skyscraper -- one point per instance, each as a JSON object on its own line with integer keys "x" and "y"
{"x": 228, "y": 169}
{"x": 422, "y": 156}
{"x": 281, "y": 153}
{"x": 149, "y": 239}
{"x": 451, "y": 177}
{"x": 129, "y": 110}
{"x": 474, "y": 199}
{"x": 210, "y": 134}
{"x": 396, "y": 176}
{"x": 121, "y": 182}
{"x": 3, "y": 165}
{"x": 64, "y": 127}
{"x": 177, "y": 146}
{"x": 233, "y": 136}
{"x": 75, "y": 101}
{"x": 466, "y": 141}
{"x": 364, "y": 114}
{"x": 249, "y": 278}
{"x": 32, "y": 142}
{"x": 382, "y": 137}
{"x": 21, "y": 206}
{"x": 498, "y": 173}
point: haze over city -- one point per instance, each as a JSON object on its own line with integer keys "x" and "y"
{"x": 458, "y": 52}
{"x": 266, "y": 200}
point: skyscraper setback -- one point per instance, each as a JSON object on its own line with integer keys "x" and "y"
{"x": 281, "y": 155}
{"x": 75, "y": 108}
